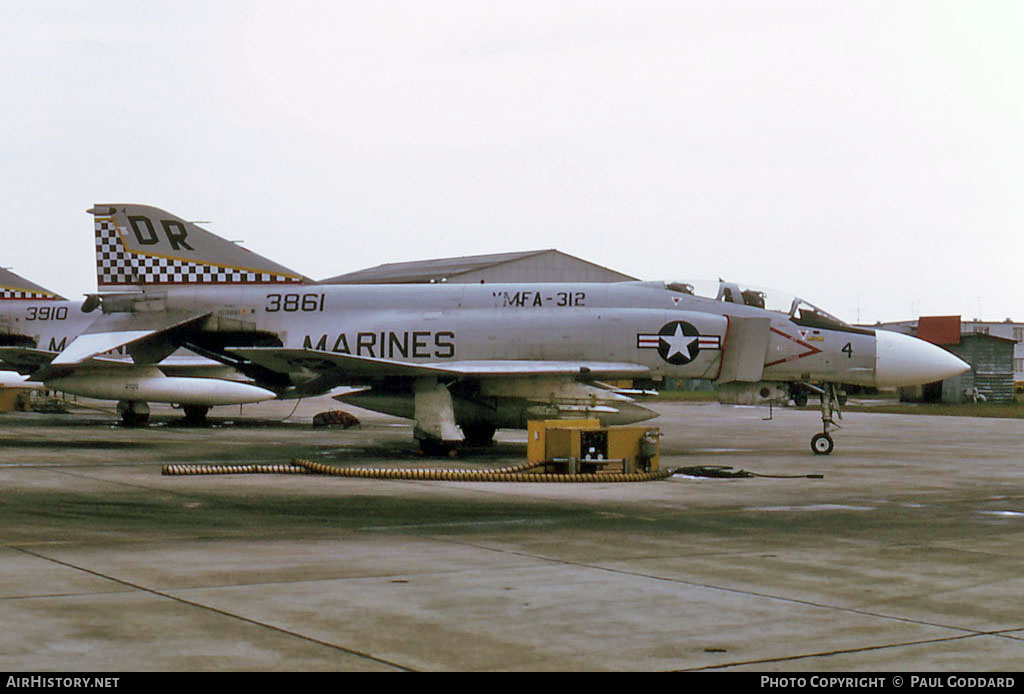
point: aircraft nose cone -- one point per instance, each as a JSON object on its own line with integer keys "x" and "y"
{"x": 903, "y": 360}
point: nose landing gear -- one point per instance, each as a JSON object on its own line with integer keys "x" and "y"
{"x": 822, "y": 443}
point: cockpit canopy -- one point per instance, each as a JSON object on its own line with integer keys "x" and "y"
{"x": 801, "y": 312}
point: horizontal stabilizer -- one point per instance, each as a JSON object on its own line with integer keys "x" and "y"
{"x": 116, "y": 330}
{"x": 25, "y": 360}
{"x": 85, "y": 346}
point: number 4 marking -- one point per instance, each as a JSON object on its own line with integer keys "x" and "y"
{"x": 848, "y": 348}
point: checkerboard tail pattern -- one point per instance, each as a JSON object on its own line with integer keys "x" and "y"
{"x": 116, "y": 266}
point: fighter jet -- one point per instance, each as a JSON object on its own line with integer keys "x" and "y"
{"x": 14, "y": 288}
{"x": 36, "y": 325}
{"x": 462, "y": 360}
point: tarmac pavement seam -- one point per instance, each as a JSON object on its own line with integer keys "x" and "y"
{"x": 754, "y": 594}
{"x": 838, "y": 652}
{"x": 215, "y": 610}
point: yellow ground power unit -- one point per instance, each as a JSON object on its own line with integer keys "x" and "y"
{"x": 583, "y": 445}
{"x": 9, "y": 399}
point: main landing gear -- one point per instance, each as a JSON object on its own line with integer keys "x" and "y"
{"x": 195, "y": 415}
{"x": 476, "y": 435}
{"x": 133, "y": 414}
{"x": 822, "y": 443}
{"x": 431, "y": 447}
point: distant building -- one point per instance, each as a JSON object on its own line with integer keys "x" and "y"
{"x": 528, "y": 266}
{"x": 995, "y": 352}
{"x": 1008, "y": 330}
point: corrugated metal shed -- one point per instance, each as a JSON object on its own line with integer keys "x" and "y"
{"x": 991, "y": 360}
{"x": 527, "y": 266}
{"x": 990, "y": 378}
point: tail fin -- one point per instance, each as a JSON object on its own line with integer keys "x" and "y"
{"x": 138, "y": 245}
{"x": 16, "y": 287}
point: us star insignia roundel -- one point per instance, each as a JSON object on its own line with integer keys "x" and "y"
{"x": 678, "y": 342}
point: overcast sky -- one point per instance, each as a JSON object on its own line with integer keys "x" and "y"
{"x": 868, "y": 156}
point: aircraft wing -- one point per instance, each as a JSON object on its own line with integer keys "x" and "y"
{"x": 487, "y": 368}
{"x": 284, "y": 360}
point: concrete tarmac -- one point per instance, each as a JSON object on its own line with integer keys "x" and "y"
{"x": 906, "y": 556}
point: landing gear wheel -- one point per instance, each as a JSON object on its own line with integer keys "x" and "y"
{"x": 131, "y": 419}
{"x": 822, "y": 444}
{"x": 195, "y": 415}
{"x": 479, "y": 434}
{"x": 436, "y": 448}
{"x": 133, "y": 414}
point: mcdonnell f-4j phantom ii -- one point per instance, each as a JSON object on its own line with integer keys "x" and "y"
{"x": 460, "y": 360}
{"x": 36, "y": 325}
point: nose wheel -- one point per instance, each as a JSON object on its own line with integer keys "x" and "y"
{"x": 822, "y": 443}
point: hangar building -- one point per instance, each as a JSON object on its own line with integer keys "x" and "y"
{"x": 527, "y": 266}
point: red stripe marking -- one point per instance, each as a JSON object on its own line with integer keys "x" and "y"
{"x": 812, "y": 349}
